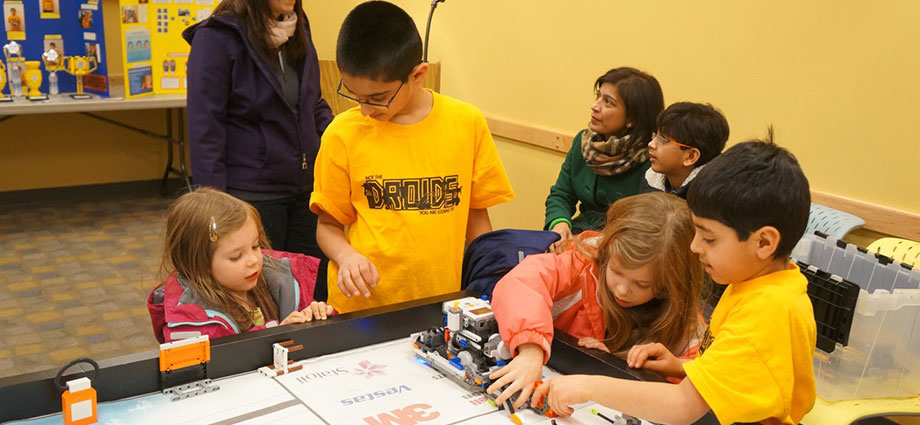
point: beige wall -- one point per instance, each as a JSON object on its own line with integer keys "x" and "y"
{"x": 838, "y": 79}
{"x": 531, "y": 171}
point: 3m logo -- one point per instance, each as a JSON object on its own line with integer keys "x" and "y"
{"x": 369, "y": 370}
{"x": 478, "y": 401}
{"x": 409, "y": 415}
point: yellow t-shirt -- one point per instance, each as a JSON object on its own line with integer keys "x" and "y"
{"x": 405, "y": 192}
{"x": 15, "y": 23}
{"x": 755, "y": 362}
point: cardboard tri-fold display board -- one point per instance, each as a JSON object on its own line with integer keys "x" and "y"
{"x": 70, "y": 27}
{"x": 154, "y": 53}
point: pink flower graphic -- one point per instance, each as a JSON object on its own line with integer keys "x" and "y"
{"x": 368, "y": 369}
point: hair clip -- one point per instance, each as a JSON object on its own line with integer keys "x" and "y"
{"x": 212, "y": 230}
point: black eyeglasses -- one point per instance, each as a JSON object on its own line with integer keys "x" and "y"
{"x": 365, "y": 102}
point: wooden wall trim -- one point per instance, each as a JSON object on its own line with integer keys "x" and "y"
{"x": 879, "y": 218}
{"x": 542, "y": 137}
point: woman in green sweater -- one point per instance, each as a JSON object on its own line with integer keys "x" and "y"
{"x": 608, "y": 159}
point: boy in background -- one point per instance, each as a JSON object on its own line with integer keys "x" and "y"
{"x": 689, "y": 136}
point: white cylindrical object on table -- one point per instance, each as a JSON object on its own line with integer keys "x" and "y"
{"x": 454, "y": 319}
{"x": 53, "y": 83}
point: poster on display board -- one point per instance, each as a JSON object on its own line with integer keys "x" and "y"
{"x": 69, "y": 27}
{"x": 154, "y": 52}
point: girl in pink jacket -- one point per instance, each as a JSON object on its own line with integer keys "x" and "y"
{"x": 634, "y": 283}
{"x": 220, "y": 282}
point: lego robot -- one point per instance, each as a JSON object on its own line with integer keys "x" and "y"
{"x": 468, "y": 348}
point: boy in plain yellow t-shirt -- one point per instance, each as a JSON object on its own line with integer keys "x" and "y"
{"x": 410, "y": 172}
{"x": 750, "y": 206}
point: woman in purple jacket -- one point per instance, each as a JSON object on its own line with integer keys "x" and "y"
{"x": 256, "y": 114}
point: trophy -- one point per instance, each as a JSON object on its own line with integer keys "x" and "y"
{"x": 3, "y": 97}
{"x": 53, "y": 63}
{"x": 14, "y": 61}
{"x": 34, "y": 80}
{"x": 78, "y": 66}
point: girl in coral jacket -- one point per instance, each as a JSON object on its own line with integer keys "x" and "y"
{"x": 220, "y": 280}
{"x": 636, "y": 283}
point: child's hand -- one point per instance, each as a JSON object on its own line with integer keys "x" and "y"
{"x": 564, "y": 230}
{"x": 294, "y": 317}
{"x": 356, "y": 275}
{"x": 657, "y": 358}
{"x": 317, "y": 310}
{"x": 561, "y": 393}
{"x": 520, "y": 375}
{"x": 589, "y": 342}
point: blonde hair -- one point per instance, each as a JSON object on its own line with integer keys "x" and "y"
{"x": 189, "y": 250}
{"x": 651, "y": 228}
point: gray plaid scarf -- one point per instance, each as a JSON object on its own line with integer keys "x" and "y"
{"x": 611, "y": 156}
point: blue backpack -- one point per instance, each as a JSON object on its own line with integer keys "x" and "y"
{"x": 493, "y": 254}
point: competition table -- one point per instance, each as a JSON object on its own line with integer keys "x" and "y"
{"x": 359, "y": 369}
{"x": 172, "y": 103}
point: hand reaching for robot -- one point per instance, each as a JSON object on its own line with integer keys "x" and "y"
{"x": 562, "y": 392}
{"x": 519, "y": 375}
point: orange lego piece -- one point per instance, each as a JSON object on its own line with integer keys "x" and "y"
{"x": 184, "y": 353}
{"x": 79, "y": 403}
{"x": 549, "y": 412}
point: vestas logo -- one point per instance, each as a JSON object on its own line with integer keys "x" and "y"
{"x": 409, "y": 415}
{"x": 323, "y": 374}
{"x": 369, "y": 370}
{"x": 376, "y": 394}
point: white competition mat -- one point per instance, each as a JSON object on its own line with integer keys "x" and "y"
{"x": 383, "y": 384}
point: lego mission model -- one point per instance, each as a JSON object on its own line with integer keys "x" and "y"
{"x": 468, "y": 349}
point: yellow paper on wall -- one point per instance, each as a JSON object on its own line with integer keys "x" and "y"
{"x": 154, "y": 52}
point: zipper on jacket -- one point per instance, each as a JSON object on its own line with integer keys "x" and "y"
{"x": 303, "y": 156}
{"x": 281, "y": 62}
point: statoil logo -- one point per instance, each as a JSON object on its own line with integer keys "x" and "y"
{"x": 409, "y": 415}
{"x": 321, "y": 374}
{"x": 369, "y": 370}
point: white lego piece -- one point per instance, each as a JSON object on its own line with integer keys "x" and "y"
{"x": 267, "y": 371}
{"x": 280, "y": 354}
{"x": 181, "y": 342}
{"x": 78, "y": 384}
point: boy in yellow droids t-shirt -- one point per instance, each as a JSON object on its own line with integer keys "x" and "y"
{"x": 409, "y": 172}
{"x": 750, "y": 206}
